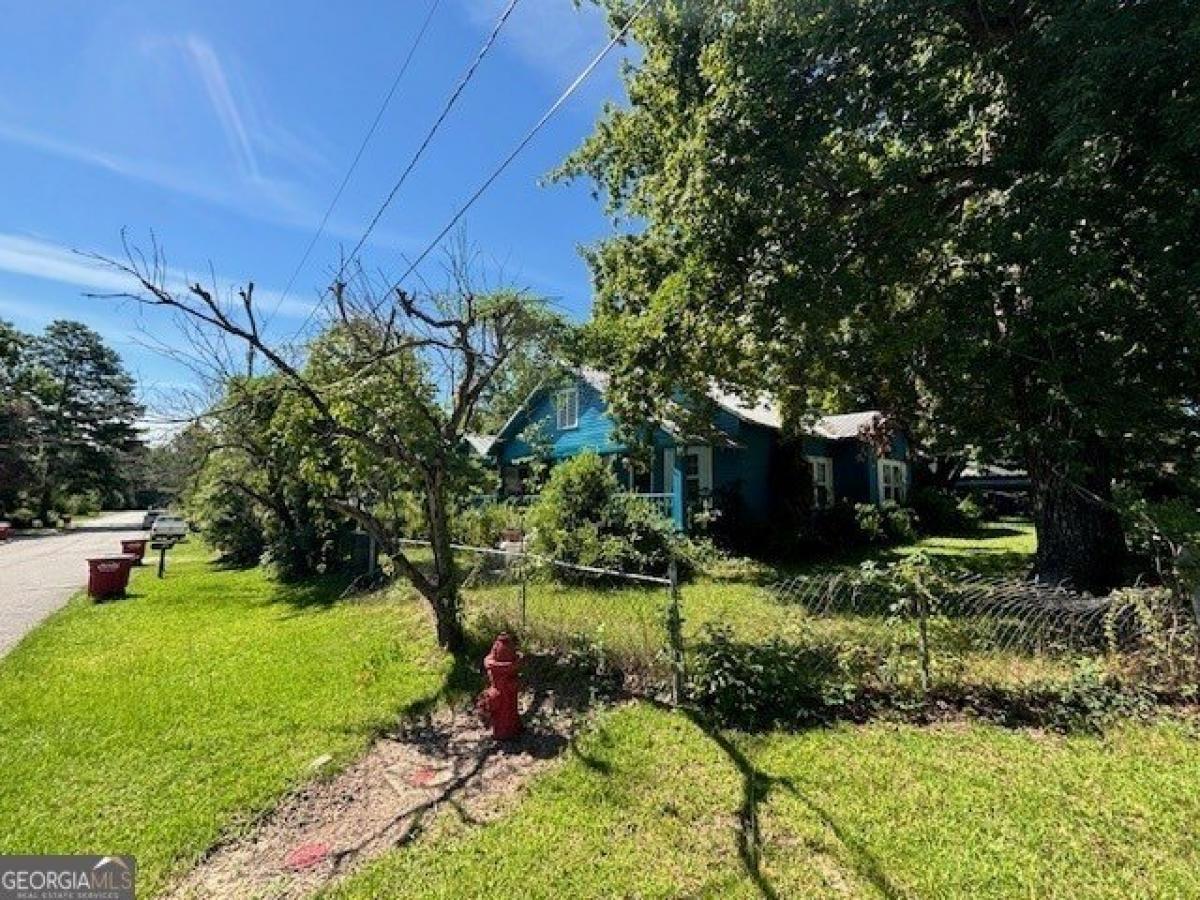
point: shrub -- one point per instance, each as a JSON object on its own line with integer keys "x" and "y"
{"x": 971, "y": 512}
{"x": 837, "y": 526}
{"x": 1150, "y": 633}
{"x": 939, "y": 512}
{"x": 1091, "y": 700}
{"x": 483, "y": 525}
{"x": 888, "y": 523}
{"x": 869, "y": 520}
{"x": 582, "y": 518}
{"x": 314, "y": 544}
{"x": 22, "y": 517}
{"x": 1156, "y": 529}
{"x": 759, "y": 685}
{"x": 861, "y": 524}
{"x": 899, "y": 523}
{"x": 227, "y": 521}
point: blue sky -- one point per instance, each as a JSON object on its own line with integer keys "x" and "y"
{"x": 225, "y": 128}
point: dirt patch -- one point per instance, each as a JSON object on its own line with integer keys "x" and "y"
{"x": 382, "y": 801}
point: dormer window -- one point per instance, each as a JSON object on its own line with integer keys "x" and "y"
{"x": 566, "y": 403}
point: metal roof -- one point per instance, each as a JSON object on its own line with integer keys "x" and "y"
{"x": 847, "y": 425}
{"x": 764, "y": 412}
{"x": 481, "y": 443}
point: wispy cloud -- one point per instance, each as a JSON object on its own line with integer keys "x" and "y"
{"x": 22, "y": 255}
{"x": 275, "y": 201}
{"x": 32, "y": 315}
{"x": 212, "y": 75}
{"x": 577, "y": 31}
{"x": 256, "y": 138}
{"x": 36, "y": 258}
{"x": 142, "y": 170}
{"x": 273, "y": 167}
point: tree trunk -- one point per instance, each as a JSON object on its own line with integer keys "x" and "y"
{"x": 445, "y": 576}
{"x": 46, "y": 500}
{"x": 450, "y": 633}
{"x": 1080, "y": 538}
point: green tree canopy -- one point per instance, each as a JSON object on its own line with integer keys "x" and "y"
{"x": 85, "y": 414}
{"x": 978, "y": 214}
{"x": 14, "y": 415}
{"x": 67, "y": 418}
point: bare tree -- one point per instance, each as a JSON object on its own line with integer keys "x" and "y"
{"x": 392, "y": 385}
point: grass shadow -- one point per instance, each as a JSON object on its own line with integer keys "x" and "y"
{"x": 757, "y": 787}
{"x": 321, "y": 591}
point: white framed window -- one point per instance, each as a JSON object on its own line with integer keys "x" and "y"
{"x": 566, "y": 404}
{"x": 822, "y": 480}
{"x": 893, "y": 480}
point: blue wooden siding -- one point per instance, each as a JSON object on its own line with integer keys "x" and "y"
{"x": 745, "y": 469}
{"x": 853, "y": 470}
{"x": 537, "y": 431}
{"x": 741, "y": 466}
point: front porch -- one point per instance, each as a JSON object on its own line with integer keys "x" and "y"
{"x": 675, "y": 480}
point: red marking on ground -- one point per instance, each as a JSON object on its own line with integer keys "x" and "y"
{"x": 423, "y": 777}
{"x": 307, "y": 855}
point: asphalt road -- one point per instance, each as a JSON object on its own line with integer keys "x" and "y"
{"x": 38, "y": 574}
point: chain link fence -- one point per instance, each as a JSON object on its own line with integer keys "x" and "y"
{"x": 875, "y": 631}
{"x": 962, "y": 619}
{"x": 564, "y": 606}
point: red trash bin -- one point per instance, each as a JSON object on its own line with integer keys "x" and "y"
{"x": 136, "y": 548}
{"x": 5, "y": 531}
{"x": 108, "y": 576}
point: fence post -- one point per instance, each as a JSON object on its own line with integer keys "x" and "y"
{"x": 923, "y": 637}
{"x": 1188, "y": 570}
{"x": 523, "y": 580}
{"x": 675, "y": 634}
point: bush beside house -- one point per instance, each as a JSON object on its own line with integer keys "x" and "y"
{"x": 582, "y": 517}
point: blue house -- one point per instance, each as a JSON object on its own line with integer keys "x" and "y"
{"x": 743, "y": 460}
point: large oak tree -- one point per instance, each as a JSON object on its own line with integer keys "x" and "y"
{"x": 982, "y": 214}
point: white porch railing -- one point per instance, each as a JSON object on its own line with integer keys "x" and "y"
{"x": 664, "y": 503}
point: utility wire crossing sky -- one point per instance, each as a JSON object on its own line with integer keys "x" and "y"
{"x": 257, "y": 144}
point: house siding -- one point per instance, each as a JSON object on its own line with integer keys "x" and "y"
{"x": 746, "y": 468}
{"x": 749, "y": 466}
{"x": 853, "y": 471}
{"x": 538, "y": 428}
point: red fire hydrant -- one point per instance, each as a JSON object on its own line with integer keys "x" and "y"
{"x": 498, "y": 703}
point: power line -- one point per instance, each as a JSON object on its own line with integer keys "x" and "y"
{"x": 483, "y": 51}
{"x": 529, "y": 136}
{"x": 358, "y": 155}
{"x": 463, "y": 81}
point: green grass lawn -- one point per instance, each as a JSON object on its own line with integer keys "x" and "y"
{"x": 629, "y": 621}
{"x": 153, "y": 725}
{"x": 648, "y": 804}
{"x": 158, "y": 724}
{"x": 1004, "y": 547}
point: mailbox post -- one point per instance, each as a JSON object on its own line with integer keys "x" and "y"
{"x": 162, "y": 546}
